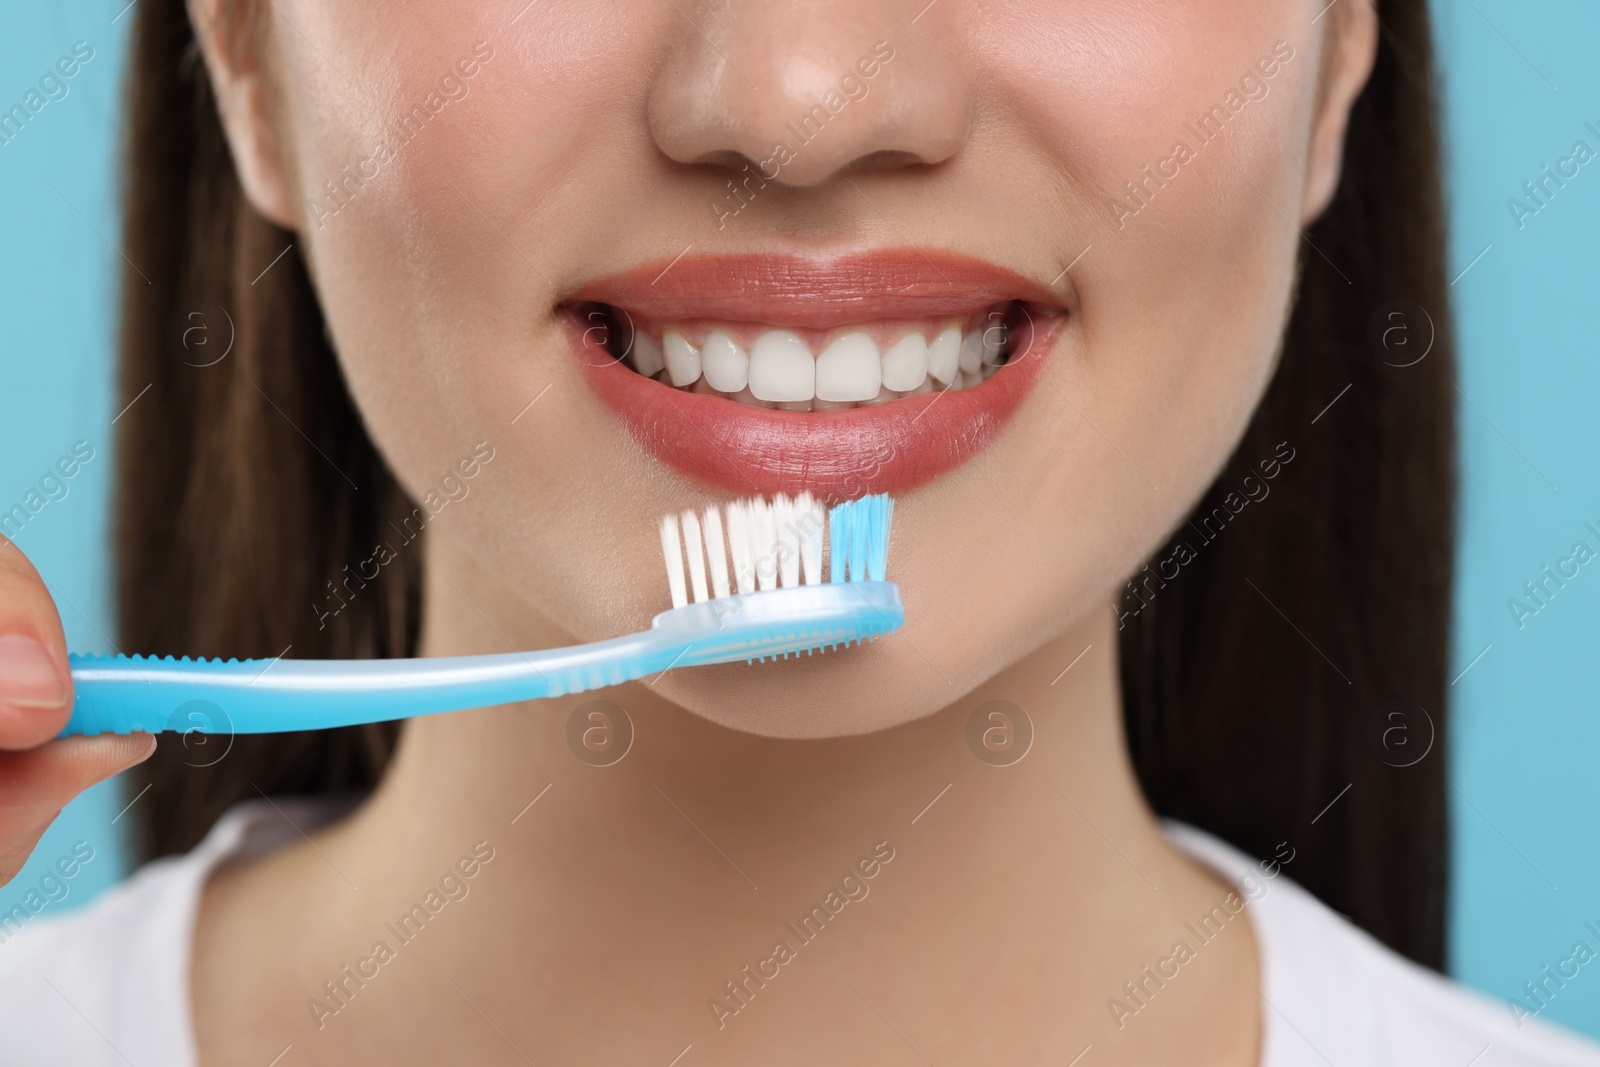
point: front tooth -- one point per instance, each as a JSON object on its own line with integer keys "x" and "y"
{"x": 724, "y": 363}
{"x": 944, "y": 355}
{"x": 683, "y": 358}
{"x": 647, "y": 358}
{"x": 781, "y": 368}
{"x": 905, "y": 363}
{"x": 971, "y": 357}
{"x": 849, "y": 369}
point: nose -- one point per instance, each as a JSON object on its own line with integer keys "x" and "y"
{"x": 810, "y": 91}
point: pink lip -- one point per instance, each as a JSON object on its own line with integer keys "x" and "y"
{"x": 889, "y": 447}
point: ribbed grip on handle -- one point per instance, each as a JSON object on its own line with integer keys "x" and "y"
{"x": 153, "y": 694}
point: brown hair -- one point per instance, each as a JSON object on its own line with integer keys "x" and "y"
{"x": 1254, "y": 677}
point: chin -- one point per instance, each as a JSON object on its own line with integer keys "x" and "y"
{"x": 844, "y": 693}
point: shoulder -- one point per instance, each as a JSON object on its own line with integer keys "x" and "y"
{"x": 106, "y": 983}
{"x": 1333, "y": 993}
{"x": 109, "y": 984}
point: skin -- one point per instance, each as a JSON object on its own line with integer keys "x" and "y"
{"x": 1022, "y": 900}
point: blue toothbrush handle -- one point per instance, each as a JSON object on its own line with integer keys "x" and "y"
{"x": 123, "y": 694}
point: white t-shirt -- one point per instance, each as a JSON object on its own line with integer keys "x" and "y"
{"x": 110, "y": 984}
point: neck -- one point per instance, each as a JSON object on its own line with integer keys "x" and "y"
{"x": 702, "y": 850}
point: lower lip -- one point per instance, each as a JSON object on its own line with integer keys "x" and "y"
{"x": 883, "y": 448}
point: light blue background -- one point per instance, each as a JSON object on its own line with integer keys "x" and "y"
{"x": 58, "y": 285}
{"x": 1521, "y": 81}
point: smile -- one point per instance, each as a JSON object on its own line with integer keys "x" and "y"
{"x": 813, "y": 370}
{"x": 869, "y": 373}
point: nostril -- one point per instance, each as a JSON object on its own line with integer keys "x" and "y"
{"x": 889, "y": 159}
{"x": 740, "y": 167}
{"x": 727, "y": 159}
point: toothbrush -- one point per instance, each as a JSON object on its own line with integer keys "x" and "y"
{"x": 774, "y": 601}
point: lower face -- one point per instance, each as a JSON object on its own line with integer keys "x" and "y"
{"x": 995, "y": 289}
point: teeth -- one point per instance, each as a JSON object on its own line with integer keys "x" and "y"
{"x": 683, "y": 358}
{"x": 994, "y": 343}
{"x": 781, "y": 368}
{"x": 849, "y": 369}
{"x": 970, "y": 357}
{"x": 905, "y": 364}
{"x": 779, "y": 371}
{"x": 647, "y": 357}
{"x": 724, "y": 363}
{"x": 944, "y": 355}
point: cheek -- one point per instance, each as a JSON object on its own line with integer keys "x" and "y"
{"x": 435, "y": 280}
{"x": 1183, "y": 298}
{"x": 432, "y": 274}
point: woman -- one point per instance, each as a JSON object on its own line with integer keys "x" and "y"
{"x": 1178, "y": 543}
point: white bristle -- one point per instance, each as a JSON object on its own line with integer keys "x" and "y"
{"x": 672, "y": 549}
{"x": 744, "y": 571}
{"x": 697, "y": 557}
{"x": 813, "y": 523}
{"x": 765, "y": 543}
{"x": 717, "y": 552}
{"x": 787, "y": 513}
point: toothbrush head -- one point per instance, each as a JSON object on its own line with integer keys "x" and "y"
{"x": 755, "y": 572}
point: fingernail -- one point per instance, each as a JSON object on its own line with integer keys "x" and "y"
{"x": 28, "y": 676}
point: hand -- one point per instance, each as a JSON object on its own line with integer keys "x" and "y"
{"x": 39, "y": 774}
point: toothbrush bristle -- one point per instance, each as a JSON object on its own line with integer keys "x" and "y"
{"x": 739, "y": 547}
{"x": 764, "y": 533}
{"x": 787, "y": 516}
{"x": 815, "y": 521}
{"x": 878, "y": 545}
{"x": 672, "y": 549}
{"x": 697, "y": 556}
{"x": 774, "y": 543}
{"x": 837, "y": 538}
{"x": 717, "y": 552}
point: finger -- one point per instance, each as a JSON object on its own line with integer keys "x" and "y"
{"x": 35, "y": 683}
{"x": 37, "y": 783}
{"x": 14, "y": 856}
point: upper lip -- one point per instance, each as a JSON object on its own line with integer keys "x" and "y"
{"x": 813, "y": 292}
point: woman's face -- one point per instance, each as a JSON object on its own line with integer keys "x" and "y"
{"x": 497, "y": 198}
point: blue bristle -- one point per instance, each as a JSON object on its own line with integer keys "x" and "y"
{"x": 883, "y": 514}
{"x": 858, "y": 539}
